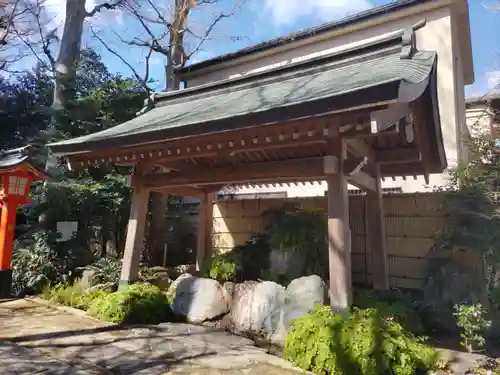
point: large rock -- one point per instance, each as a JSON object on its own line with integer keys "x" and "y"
{"x": 286, "y": 262}
{"x": 302, "y": 295}
{"x": 198, "y": 299}
{"x": 253, "y": 302}
{"x": 173, "y": 286}
{"x": 307, "y": 291}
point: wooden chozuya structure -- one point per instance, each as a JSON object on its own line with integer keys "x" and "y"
{"x": 350, "y": 117}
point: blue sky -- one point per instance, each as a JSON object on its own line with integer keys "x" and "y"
{"x": 258, "y": 20}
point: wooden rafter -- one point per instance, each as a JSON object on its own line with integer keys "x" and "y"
{"x": 252, "y": 138}
{"x": 292, "y": 140}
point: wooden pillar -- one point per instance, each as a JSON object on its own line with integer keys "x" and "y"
{"x": 376, "y": 235}
{"x": 135, "y": 237}
{"x": 339, "y": 242}
{"x": 7, "y": 227}
{"x": 205, "y": 226}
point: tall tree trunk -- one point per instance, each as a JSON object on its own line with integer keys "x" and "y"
{"x": 64, "y": 78}
{"x": 175, "y": 60}
{"x": 69, "y": 54}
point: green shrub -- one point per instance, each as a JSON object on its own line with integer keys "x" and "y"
{"x": 473, "y": 320}
{"x": 365, "y": 344}
{"x": 391, "y": 304}
{"x": 157, "y": 276}
{"x": 254, "y": 256}
{"x": 223, "y": 267}
{"x": 106, "y": 271}
{"x": 140, "y": 304}
{"x": 72, "y": 295}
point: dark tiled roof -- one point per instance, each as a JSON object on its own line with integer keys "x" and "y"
{"x": 205, "y": 108}
{"x": 367, "y": 15}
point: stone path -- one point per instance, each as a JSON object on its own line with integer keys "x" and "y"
{"x": 37, "y": 339}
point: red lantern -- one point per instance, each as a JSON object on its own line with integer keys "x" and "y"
{"x": 16, "y": 175}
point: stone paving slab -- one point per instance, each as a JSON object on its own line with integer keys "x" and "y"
{"x": 61, "y": 338}
{"x": 15, "y": 359}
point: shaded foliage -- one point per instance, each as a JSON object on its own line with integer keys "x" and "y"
{"x": 472, "y": 203}
{"x": 97, "y": 198}
{"x": 301, "y": 231}
{"x": 42, "y": 261}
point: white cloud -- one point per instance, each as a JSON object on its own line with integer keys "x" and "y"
{"x": 285, "y": 12}
{"x": 57, "y": 10}
{"x": 493, "y": 78}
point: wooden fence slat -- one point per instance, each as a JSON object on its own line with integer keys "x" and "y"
{"x": 412, "y": 223}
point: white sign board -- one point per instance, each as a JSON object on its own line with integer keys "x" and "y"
{"x": 67, "y": 229}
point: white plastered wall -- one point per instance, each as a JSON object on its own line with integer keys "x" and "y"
{"x": 440, "y": 34}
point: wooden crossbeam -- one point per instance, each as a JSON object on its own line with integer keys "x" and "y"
{"x": 281, "y": 171}
{"x": 184, "y": 191}
{"x": 398, "y": 155}
{"x": 363, "y": 181}
{"x": 213, "y": 179}
{"x": 388, "y": 117}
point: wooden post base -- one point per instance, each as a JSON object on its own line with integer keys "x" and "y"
{"x": 5, "y": 284}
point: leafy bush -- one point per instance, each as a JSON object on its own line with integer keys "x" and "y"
{"x": 393, "y": 304}
{"x": 44, "y": 261}
{"x": 473, "y": 321}
{"x": 223, "y": 267}
{"x": 254, "y": 256}
{"x": 366, "y": 343}
{"x": 140, "y": 304}
{"x": 106, "y": 271}
{"x": 72, "y": 295}
{"x": 157, "y": 276}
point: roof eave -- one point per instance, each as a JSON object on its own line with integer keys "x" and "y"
{"x": 359, "y": 21}
{"x": 371, "y": 97}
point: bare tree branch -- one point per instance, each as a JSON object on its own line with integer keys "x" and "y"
{"x": 107, "y": 6}
{"x": 211, "y": 27}
{"x": 32, "y": 49}
{"x": 134, "y": 72}
{"x": 25, "y": 34}
{"x": 6, "y": 22}
{"x": 45, "y": 41}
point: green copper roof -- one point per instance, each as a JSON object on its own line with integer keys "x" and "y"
{"x": 10, "y": 159}
{"x": 208, "y": 108}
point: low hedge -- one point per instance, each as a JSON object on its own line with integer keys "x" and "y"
{"x": 72, "y": 295}
{"x": 139, "y": 304}
{"x": 366, "y": 343}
